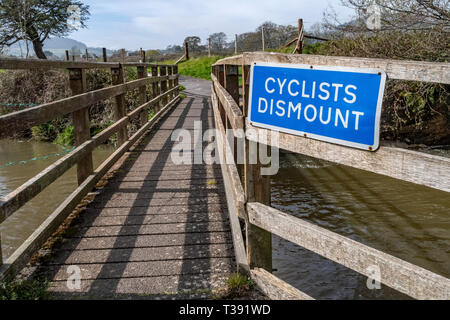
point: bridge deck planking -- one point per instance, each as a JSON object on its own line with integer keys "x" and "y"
{"x": 155, "y": 228}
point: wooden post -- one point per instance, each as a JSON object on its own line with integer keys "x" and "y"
{"x": 209, "y": 47}
{"x": 171, "y": 83}
{"x": 186, "y": 51}
{"x": 163, "y": 72}
{"x": 175, "y": 82}
{"x": 155, "y": 87}
{"x": 81, "y": 123}
{"x": 142, "y": 73}
{"x": 67, "y": 55}
{"x": 232, "y": 86}
{"x": 257, "y": 188}
{"x": 119, "y": 107}
{"x": 235, "y": 44}
{"x": 221, "y": 78}
{"x": 105, "y": 57}
{"x": 87, "y": 55}
{"x": 299, "y": 47}
{"x": 262, "y": 39}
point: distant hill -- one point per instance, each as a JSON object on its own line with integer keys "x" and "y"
{"x": 57, "y": 46}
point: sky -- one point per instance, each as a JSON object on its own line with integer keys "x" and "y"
{"x": 155, "y": 24}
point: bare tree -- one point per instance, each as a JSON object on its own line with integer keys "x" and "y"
{"x": 37, "y": 20}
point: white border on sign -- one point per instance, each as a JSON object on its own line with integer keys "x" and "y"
{"x": 373, "y": 147}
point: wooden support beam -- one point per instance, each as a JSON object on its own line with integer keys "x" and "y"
{"x": 163, "y": 72}
{"x": 142, "y": 73}
{"x": 105, "y": 57}
{"x": 235, "y": 44}
{"x": 67, "y": 55}
{"x": 176, "y": 81}
{"x": 169, "y": 73}
{"x": 209, "y": 47}
{"x": 186, "y": 50}
{"x": 119, "y": 106}
{"x": 275, "y": 288}
{"x": 398, "y": 274}
{"x": 257, "y": 188}
{"x": 299, "y": 46}
{"x": 155, "y": 86}
{"x": 81, "y": 124}
{"x": 262, "y": 39}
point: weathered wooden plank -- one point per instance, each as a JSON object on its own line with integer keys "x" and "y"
{"x": 275, "y": 288}
{"x": 23, "y": 254}
{"x": 400, "y": 275}
{"x": 152, "y": 102}
{"x": 9, "y": 63}
{"x": 234, "y": 60}
{"x": 412, "y": 166}
{"x": 163, "y": 72}
{"x": 27, "y": 191}
{"x": 24, "y": 119}
{"x": 118, "y": 78}
{"x": 232, "y": 172}
{"x": 438, "y": 72}
{"x": 81, "y": 123}
{"x": 235, "y": 196}
{"x": 142, "y": 73}
{"x": 232, "y": 109}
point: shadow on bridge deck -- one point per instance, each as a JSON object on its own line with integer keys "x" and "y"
{"x": 157, "y": 229}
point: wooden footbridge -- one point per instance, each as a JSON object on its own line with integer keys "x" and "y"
{"x": 151, "y": 227}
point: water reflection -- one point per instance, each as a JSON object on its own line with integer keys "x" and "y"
{"x": 21, "y": 160}
{"x": 405, "y": 220}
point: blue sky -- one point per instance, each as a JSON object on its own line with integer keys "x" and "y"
{"x": 155, "y": 24}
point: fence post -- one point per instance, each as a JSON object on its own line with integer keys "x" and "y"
{"x": 186, "y": 50}
{"x": 119, "y": 107}
{"x": 87, "y": 55}
{"x": 262, "y": 39}
{"x": 175, "y": 82}
{"x": 299, "y": 47}
{"x": 235, "y": 44}
{"x": 172, "y": 82}
{"x": 209, "y": 47}
{"x": 105, "y": 57}
{"x": 232, "y": 87}
{"x": 81, "y": 123}
{"x": 67, "y": 55}
{"x": 257, "y": 188}
{"x": 155, "y": 87}
{"x": 162, "y": 73}
{"x": 142, "y": 73}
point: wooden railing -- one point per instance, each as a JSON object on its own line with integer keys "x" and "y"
{"x": 165, "y": 93}
{"x": 251, "y": 201}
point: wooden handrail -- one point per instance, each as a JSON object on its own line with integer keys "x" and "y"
{"x": 232, "y": 110}
{"x": 15, "y": 122}
{"x": 438, "y": 72}
{"x": 17, "y": 64}
{"x": 412, "y": 166}
{"x": 22, "y": 255}
{"x": 400, "y": 275}
{"x": 27, "y": 191}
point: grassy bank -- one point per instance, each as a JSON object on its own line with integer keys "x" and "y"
{"x": 197, "y": 67}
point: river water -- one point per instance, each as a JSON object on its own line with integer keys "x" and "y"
{"x": 408, "y": 221}
{"x": 22, "y": 160}
{"x": 405, "y": 220}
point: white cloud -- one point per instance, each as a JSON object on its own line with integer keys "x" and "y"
{"x": 158, "y": 23}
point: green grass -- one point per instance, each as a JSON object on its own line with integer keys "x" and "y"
{"x": 197, "y": 67}
{"x": 66, "y": 138}
{"x": 238, "y": 285}
{"x": 24, "y": 290}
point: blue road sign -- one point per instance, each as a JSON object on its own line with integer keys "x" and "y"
{"x": 334, "y": 104}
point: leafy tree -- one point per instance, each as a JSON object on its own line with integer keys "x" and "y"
{"x": 37, "y": 20}
{"x": 218, "y": 41}
{"x": 193, "y": 43}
